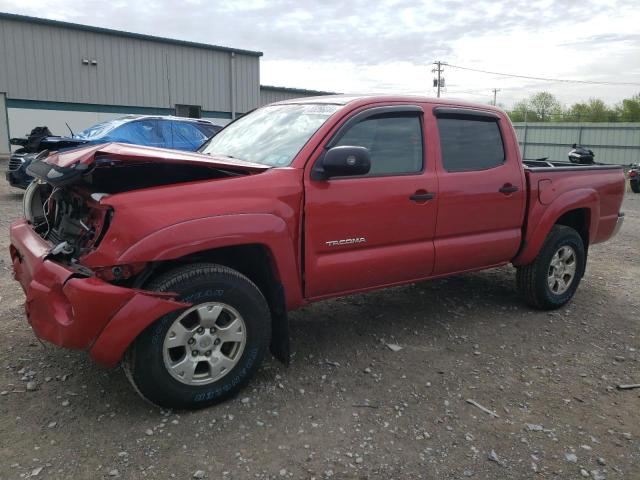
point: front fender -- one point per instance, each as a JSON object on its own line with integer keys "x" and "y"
{"x": 541, "y": 219}
{"x": 193, "y": 236}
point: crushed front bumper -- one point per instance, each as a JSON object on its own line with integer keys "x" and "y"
{"x": 75, "y": 311}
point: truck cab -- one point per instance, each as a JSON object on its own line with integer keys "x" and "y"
{"x": 196, "y": 259}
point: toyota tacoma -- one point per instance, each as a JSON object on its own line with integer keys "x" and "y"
{"x": 183, "y": 266}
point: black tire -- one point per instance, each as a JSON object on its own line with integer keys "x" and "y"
{"x": 635, "y": 186}
{"x": 532, "y": 279}
{"x": 196, "y": 284}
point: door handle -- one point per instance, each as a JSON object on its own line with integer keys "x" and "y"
{"x": 422, "y": 197}
{"x": 507, "y": 188}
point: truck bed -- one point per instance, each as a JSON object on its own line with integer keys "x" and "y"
{"x": 555, "y": 187}
{"x": 541, "y": 165}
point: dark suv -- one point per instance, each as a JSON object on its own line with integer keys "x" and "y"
{"x": 153, "y": 131}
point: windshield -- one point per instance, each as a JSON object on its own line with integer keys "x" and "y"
{"x": 271, "y": 135}
{"x": 99, "y": 130}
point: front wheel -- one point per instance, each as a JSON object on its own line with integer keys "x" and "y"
{"x": 552, "y": 279}
{"x": 206, "y": 353}
{"x": 635, "y": 186}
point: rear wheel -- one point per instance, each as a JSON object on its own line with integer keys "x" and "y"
{"x": 552, "y": 279}
{"x": 635, "y": 186}
{"x": 206, "y": 353}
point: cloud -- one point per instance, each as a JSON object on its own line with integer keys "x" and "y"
{"x": 388, "y": 45}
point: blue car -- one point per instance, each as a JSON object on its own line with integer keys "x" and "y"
{"x": 152, "y": 131}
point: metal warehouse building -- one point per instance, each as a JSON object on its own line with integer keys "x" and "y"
{"x": 269, "y": 94}
{"x": 54, "y": 72}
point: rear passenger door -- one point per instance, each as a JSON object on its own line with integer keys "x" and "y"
{"x": 376, "y": 229}
{"x": 481, "y": 191}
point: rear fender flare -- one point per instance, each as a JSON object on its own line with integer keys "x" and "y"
{"x": 585, "y": 198}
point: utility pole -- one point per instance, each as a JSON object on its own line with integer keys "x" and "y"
{"x": 495, "y": 94}
{"x": 439, "y": 81}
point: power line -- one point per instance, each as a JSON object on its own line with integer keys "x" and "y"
{"x": 562, "y": 80}
{"x": 486, "y": 95}
{"x": 495, "y": 94}
{"x": 439, "y": 81}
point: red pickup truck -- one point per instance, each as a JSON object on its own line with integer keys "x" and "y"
{"x": 184, "y": 265}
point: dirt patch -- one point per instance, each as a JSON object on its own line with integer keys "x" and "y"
{"x": 351, "y": 407}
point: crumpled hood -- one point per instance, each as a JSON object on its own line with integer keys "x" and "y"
{"x": 120, "y": 152}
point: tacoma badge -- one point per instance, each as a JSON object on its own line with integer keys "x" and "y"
{"x": 346, "y": 241}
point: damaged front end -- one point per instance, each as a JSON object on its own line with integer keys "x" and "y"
{"x": 67, "y": 302}
{"x": 72, "y": 220}
{"x": 68, "y": 203}
{"x": 67, "y": 305}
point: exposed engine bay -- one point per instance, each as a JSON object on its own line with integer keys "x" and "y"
{"x": 63, "y": 205}
{"x": 71, "y": 221}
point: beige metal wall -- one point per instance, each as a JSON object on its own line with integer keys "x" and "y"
{"x": 42, "y": 60}
{"x": 278, "y": 94}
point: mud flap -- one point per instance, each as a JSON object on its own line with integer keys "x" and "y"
{"x": 280, "y": 345}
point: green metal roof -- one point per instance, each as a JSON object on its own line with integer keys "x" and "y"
{"x": 121, "y": 33}
{"x": 296, "y": 90}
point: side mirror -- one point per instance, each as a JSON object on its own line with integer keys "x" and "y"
{"x": 343, "y": 161}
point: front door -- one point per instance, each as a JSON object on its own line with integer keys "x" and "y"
{"x": 482, "y": 192}
{"x": 377, "y": 229}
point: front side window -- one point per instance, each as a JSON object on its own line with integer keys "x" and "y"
{"x": 271, "y": 135}
{"x": 394, "y": 143}
{"x": 470, "y": 144}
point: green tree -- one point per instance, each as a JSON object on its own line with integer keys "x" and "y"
{"x": 598, "y": 111}
{"x": 545, "y": 106}
{"x": 629, "y": 111}
{"x": 518, "y": 113}
{"x": 541, "y": 107}
{"x": 577, "y": 113}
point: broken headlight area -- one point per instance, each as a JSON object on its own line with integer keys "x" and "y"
{"x": 68, "y": 218}
{"x": 118, "y": 273}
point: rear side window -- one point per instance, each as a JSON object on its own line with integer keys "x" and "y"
{"x": 470, "y": 144}
{"x": 394, "y": 142}
{"x": 209, "y": 130}
{"x": 187, "y": 136}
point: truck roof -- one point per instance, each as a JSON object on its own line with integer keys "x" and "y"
{"x": 345, "y": 99}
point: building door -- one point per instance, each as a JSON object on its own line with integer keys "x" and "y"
{"x": 4, "y": 126}
{"x": 189, "y": 111}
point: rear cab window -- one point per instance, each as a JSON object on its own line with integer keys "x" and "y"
{"x": 469, "y": 143}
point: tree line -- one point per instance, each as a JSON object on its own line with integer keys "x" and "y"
{"x": 545, "y": 107}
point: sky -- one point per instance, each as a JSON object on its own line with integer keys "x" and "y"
{"x": 388, "y": 46}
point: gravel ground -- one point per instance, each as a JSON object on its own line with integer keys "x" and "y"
{"x": 349, "y": 406}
